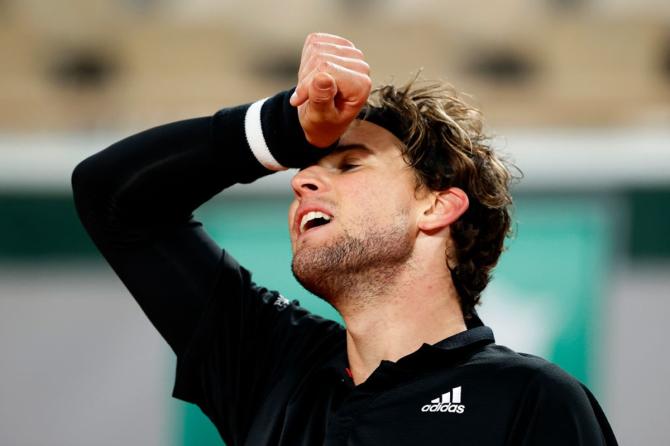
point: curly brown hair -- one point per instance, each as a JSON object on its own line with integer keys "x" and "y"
{"x": 445, "y": 144}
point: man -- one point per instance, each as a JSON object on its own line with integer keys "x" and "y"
{"x": 399, "y": 215}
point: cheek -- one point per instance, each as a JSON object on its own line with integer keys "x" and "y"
{"x": 389, "y": 203}
{"x": 370, "y": 204}
{"x": 379, "y": 199}
{"x": 291, "y": 214}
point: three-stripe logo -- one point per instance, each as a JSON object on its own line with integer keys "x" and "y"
{"x": 448, "y": 402}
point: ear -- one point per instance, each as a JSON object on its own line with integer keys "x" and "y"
{"x": 445, "y": 208}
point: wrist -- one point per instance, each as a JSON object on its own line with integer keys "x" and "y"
{"x": 275, "y": 122}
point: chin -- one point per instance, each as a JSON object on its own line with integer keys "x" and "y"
{"x": 348, "y": 265}
{"x": 307, "y": 271}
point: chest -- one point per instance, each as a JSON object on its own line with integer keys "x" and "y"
{"x": 452, "y": 410}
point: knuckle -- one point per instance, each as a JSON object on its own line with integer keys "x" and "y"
{"x": 311, "y": 37}
{"x": 317, "y": 48}
{"x": 366, "y": 82}
{"x": 364, "y": 66}
{"x": 312, "y": 63}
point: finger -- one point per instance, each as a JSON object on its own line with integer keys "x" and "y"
{"x": 314, "y": 55}
{"x": 322, "y": 91}
{"x": 301, "y": 93}
{"x": 302, "y": 90}
{"x": 332, "y": 38}
{"x": 358, "y": 65}
{"x": 326, "y": 38}
{"x": 353, "y": 88}
{"x": 332, "y": 48}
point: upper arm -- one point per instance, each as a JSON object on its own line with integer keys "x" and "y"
{"x": 171, "y": 276}
{"x": 135, "y": 199}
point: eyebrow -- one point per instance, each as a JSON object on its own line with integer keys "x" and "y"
{"x": 356, "y": 146}
{"x": 344, "y": 147}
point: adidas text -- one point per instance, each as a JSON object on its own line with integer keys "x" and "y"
{"x": 449, "y": 402}
{"x": 449, "y": 407}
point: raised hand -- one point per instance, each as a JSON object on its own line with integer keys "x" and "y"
{"x": 333, "y": 85}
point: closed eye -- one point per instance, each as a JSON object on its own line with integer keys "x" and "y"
{"x": 348, "y": 165}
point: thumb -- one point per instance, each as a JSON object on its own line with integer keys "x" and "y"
{"x": 322, "y": 91}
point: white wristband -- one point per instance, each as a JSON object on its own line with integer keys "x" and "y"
{"x": 254, "y": 133}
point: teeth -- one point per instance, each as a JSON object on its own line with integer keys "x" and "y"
{"x": 311, "y": 216}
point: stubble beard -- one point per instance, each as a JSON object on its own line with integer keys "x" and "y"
{"x": 350, "y": 271}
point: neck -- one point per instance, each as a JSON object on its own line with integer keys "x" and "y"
{"x": 389, "y": 322}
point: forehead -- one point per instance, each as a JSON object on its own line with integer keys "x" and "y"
{"x": 373, "y": 137}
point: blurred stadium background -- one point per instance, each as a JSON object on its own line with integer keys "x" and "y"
{"x": 576, "y": 92}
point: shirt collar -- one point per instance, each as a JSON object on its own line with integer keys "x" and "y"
{"x": 476, "y": 333}
{"x": 449, "y": 350}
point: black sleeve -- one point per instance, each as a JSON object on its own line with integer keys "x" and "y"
{"x": 136, "y": 200}
{"x": 558, "y": 410}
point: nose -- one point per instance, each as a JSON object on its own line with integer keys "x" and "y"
{"x": 309, "y": 180}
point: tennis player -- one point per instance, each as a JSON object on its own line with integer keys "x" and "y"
{"x": 400, "y": 213}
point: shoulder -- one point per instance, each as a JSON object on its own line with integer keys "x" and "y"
{"x": 524, "y": 366}
{"x": 544, "y": 400}
{"x": 528, "y": 377}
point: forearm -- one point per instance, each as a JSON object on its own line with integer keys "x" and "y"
{"x": 160, "y": 176}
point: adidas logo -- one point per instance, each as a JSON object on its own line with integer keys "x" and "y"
{"x": 448, "y": 402}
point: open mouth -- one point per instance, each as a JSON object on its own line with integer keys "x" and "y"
{"x": 314, "y": 219}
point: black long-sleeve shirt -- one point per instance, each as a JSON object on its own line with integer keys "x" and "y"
{"x": 263, "y": 369}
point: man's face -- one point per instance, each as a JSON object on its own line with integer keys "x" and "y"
{"x": 354, "y": 213}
